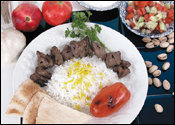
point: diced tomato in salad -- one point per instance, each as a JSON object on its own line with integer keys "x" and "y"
{"x": 167, "y": 20}
{"x": 171, "y": 14}
{"x": 150, "y": 3}
{"x": 129, "y": 16}
{"x": 130, "y": 9}
{"x": 142, "y": 4}
{"x": 146, "y": 16}
{"x": 159, "y": 7}
{"x": 155, "y": 15}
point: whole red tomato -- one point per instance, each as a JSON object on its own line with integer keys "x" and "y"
{"x": 56, "y": 12}
{"x": 26, "y": 17}
{"x": 109, "y": 100}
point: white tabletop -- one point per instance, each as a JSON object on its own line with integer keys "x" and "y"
{"x": 7, "y": 75}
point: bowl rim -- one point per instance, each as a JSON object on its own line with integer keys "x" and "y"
{"x": 115, "y": 5}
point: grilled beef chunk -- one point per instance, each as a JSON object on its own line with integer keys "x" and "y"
{"x": 81, "y": 48}
{"x": 121, "y": 71}
{"x": 113, "y": 58}
{"x": 67, "y": 53}
{"x": 125, "y": 63}
{"x": 77, "y": 49}
{"x": 88, "y": 49}
{"x": 99, "y": 50}
{"x": 39, "y": 79}
{"x": 44, "y": 61}
{"x": 42, "y": 72}
{"x": 55, "y": 52}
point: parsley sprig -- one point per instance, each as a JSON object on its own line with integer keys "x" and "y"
{"x": 80, "y": 29}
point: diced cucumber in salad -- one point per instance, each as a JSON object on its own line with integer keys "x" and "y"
{"x": 149, "y": 16}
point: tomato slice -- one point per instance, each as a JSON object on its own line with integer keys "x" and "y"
{"x": 159, "y": 7}
{"x": 130, "y": 9}
{"x": 110, "y": 100}
{"x": 142, "y": 4}
{"x": 129, "y": 16}
{"x": 150, "y": 3}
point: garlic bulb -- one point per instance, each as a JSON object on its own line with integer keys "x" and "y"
{"x": 12, "y": 44}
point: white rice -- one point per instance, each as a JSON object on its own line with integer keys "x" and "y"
{"x": 56, "y": 87}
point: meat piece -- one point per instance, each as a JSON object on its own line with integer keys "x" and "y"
{"x": 88, "y": 49}
{"x": 39, "y": 79}
{"x": 44, "y": 61}
{"x": 121, "y": 71}
{"x": 67, "y": 53}
{"x": 55, "y": 52}
{"x": 42, "y": 72}
{"x": 99, "y": 50}
{"x": 125, "y": 63}
{"x": 113, "y": 58}
{"x": 78, "y": 49}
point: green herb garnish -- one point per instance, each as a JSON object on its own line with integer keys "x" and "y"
{"x": 80, "y": 29}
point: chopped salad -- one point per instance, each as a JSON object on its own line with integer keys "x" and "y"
{"x": 149, "y": 16}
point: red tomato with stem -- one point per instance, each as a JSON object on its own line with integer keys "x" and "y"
{"x": 56, "y": 12}
{"x": 109, "y": 100}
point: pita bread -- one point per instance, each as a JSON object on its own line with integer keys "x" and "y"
{"x": 31, "y": 111}
{"x": 22, "y": 97}
{"x": 53, "y": 112}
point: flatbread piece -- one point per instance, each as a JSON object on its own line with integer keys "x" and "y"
{"x": 22, "y": 97}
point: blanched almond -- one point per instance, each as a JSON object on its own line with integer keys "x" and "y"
{"x": 146, "y": 39}
{"x": 158, "y": 108}
{"x": 166, "y": 66}
{"x": 166, "y": 85}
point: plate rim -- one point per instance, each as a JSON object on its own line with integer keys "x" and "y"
{"x": 145, "y": 95}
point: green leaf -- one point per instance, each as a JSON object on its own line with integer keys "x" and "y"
{"x": 80, "y": 29}
{"x": 98, "y": 28}
{"x": 67, "y": 32}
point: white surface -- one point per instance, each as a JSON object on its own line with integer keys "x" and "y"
{"x": 6, "y": 77}
{"x": 7, "y": 93}
{"x": 136, "y": 81}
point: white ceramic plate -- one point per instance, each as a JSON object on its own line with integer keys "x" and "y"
{"x": 136, "y": 81}
{"x": 100, "y": 5}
